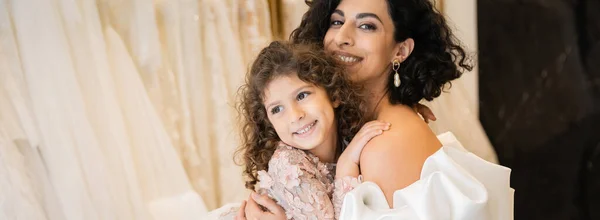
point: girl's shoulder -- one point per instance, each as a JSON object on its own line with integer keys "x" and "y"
{"x": 286, "y": 152}
{"x": 286, "y": 155}
{"x": 295, "y": 165}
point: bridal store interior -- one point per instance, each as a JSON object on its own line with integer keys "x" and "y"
{"x": 114, "y": 109}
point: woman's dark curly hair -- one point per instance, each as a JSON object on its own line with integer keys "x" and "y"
{"x": 312, "y": 65}
{"x": 437, "y": 57}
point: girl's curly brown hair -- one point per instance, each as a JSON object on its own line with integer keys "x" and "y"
{"x": 312, "y": 65}
{"x": 437, "y": 57}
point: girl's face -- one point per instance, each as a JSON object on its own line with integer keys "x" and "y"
{"x": 301, "y": 113}
{"x": 361, "y": 35}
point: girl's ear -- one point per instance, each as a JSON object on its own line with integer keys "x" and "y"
{"x": 336, "y": 103}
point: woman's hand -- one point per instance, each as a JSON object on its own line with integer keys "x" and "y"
{"x": 251, "y": 209}
{"x": 425, "y": 112}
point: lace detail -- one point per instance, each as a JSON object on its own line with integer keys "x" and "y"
{"x": 341, "y": 187}
{"x": 300, "y": 183}
{"x": 229, "y": 214}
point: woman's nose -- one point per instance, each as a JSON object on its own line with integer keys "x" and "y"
{"x": 344, "y": 36}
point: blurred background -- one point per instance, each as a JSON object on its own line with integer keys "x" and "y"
{"x": 113, "y": 109}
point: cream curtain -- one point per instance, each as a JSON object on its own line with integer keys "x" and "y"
{"x": 116, "y": 109}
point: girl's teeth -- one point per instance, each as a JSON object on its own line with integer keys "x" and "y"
{"x": 306, "y": 129}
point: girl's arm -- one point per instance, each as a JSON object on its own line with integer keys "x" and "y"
{"x": 347, "y": 170}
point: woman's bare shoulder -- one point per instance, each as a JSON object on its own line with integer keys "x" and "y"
{"x": 407, "y": 129}
{"x": 394, "y": 159}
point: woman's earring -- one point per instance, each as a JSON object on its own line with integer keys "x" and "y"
{"x": 396, "y": 66}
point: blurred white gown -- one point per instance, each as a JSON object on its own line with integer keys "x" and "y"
{"x": 453, "y": 114}
{"x": 79, "y": 136}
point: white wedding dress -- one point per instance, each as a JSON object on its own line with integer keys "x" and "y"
{"x": 454, "y": 184}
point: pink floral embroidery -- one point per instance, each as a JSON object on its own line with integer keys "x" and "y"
{"x": 302, "y": 185}
{"x": 342, "y": 186}
{"x": 265, "y": 181}
{"x": 289, "y": 177}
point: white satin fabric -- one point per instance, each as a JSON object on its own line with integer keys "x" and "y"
{"x": 454, "y": 184}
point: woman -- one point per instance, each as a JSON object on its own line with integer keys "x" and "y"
{"x": 403, "y": 52}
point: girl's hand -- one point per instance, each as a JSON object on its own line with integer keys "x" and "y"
{"x": 252, "y": 210}
{"x": 367, "y": 132}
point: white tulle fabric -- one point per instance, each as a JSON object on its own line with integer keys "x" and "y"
{"x": 116, "y": 109}
{"x": 454, "y": 184}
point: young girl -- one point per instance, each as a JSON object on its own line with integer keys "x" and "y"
{"x": 299, "y": 112}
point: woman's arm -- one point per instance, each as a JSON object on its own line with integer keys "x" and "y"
{"x": 394, "y": 159}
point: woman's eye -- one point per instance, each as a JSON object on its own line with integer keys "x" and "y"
{"x": 276, "y": 109}
{"x": 302, "y": 95}
{"x": 336, "y": 23}
{"x": 368, "y": 27}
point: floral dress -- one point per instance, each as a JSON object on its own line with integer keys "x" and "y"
{"x": 302, "y": 185}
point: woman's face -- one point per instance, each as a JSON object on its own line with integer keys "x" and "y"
{"x": 361, "y": 35}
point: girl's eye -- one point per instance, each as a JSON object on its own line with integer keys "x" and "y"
{"x": 276, "y": 109}
{"x": 302, "y": 95}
